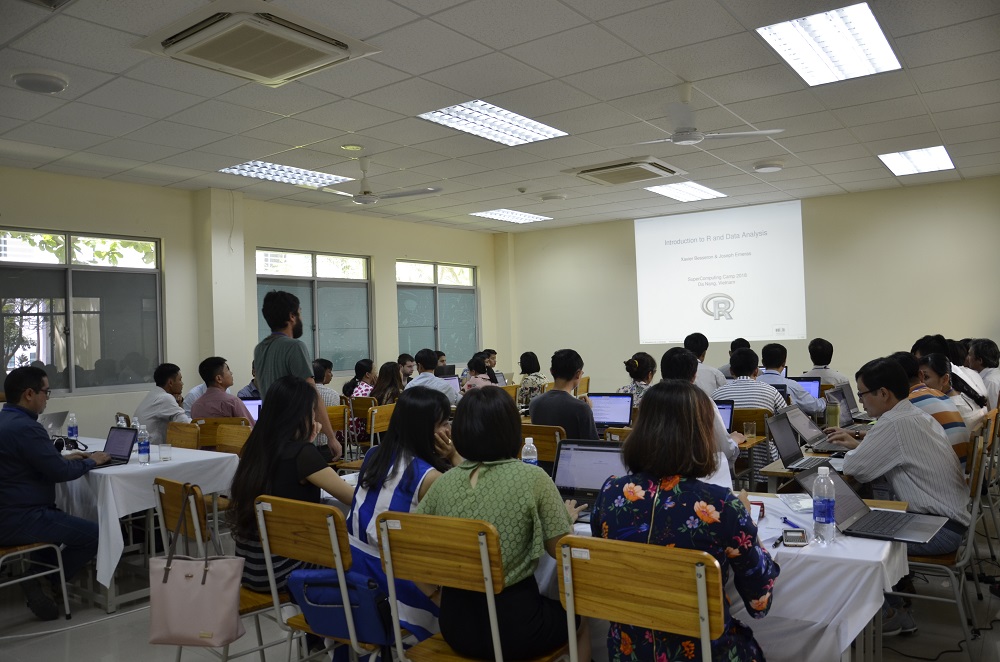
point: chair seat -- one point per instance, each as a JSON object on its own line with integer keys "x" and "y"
{"x": 20, "y": 548}
{"x": 941, "y": 559}
{"x": 344, "y": 465}
{"x": 436, "y": 649}
{"x": 251, "y": 601}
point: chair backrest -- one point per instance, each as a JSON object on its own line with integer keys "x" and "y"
{"x": 378, "y": 418}
{"x": 548, "y": 386}
{"x": 511, "y": 390}
{"x": 344, "y": 400}
{"x": 545, "y": 438}
{"x": 823, "y": 388}
{"x": 360, "y": 407}
{"x": 338, "y": 415}
{"x": 617, "y": 434}
{"x": 128, "y": 419}
{"x": 183, "y": 435}
{"x": 583, "y": 388}
{"x": 669, "y": 604}
{"x": 231, "y": 438}
{"x": 169, "y": 495}
{"x": 210, "y": 426}
{"x": 758, "y": 416}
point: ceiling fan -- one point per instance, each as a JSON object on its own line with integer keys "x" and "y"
{"x": 682, "y": 117}
{"x": 366, "y": 197}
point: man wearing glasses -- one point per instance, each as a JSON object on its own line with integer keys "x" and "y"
{"x": 30, "y": 467}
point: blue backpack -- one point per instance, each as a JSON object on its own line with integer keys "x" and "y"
{"x": 317, "y": 593}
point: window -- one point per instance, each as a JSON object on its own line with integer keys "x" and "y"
{"x": 438, "y": 309}
{"x": 88, "y": 302}
{"x": 335, "y": 297}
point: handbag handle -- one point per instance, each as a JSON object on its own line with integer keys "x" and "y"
{"x": 186, "y": 493}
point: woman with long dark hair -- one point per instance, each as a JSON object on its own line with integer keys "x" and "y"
{"x": 360, "y": 387}
{"x": 396, "y": 474}
{"x": 935, "y": 372}
{"x": 388, "y": 384}
{"x": 279, "y": 459}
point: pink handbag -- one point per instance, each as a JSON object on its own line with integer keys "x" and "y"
{"x": 194, "y": 601}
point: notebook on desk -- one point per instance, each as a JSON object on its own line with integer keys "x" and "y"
{"x": 119, "y": 446}
{"x": 810, "y": 384}
{"x": 582, "y": 466}
{"x": 855, "y": 518}
{"x": 611, "y": 410}
{"x": 787, "y": 444}
{"x": 725, "y": 408}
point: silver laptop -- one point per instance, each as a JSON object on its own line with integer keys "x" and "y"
{"x": 611, "y": 410}
{"x": 53, "y": 423}
{"x": 809, "y": 433}
{"x": 582, "y": 466}
{"x": 785, "y": 441}
{"x": 501, "y": 379}
{"x": 855, "y": 518}
{"x": 454, "y": 382}
{"x": 119, "y": 446}
{"x": 253, "y": 406}
{"x": 846, "y": 396}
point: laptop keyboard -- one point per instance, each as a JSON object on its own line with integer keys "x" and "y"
{"x": 808, "y": 463}
{"x": 884, "y": 522}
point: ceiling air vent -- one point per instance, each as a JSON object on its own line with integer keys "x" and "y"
{"x": 628, "y": 172}
{"x": 255, "y": 40}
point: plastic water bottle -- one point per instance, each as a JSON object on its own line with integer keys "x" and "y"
{"x": 121, "y": 422}
{"x": 143, "y": 445}
{"x": 135, "y": 422}
{"x": 529, "y": 454}
{"x": 72, "y": 429}
{"x": 824, "y": 503}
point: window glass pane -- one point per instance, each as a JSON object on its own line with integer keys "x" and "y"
{"x": 280, "y": 263}
{"x": 453, "y": 275}
{"x": 414, "y": 272}
{"x": 458, "y": 324}
{"x": 32, "y": 314}
{"x": 336, "y": 266}
{"x": 300, "y": 288}
{"x": 100, "y": 251}
{"x": 343, "y": 324}
{"x": 115, "y": 328}
{"x": 32, "y": 247}
{"x": 416, "y": 318}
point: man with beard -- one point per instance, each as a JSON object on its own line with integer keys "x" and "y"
{"x": 282, "y": 353}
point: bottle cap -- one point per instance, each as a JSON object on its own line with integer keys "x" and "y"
{"x": 143, "y": 427}
{"x": 824, "y": 471}
{"x": 72, "y": 414}
{"x": 529, "y": 440}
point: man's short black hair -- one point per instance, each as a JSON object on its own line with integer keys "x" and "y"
{"x": 404, "y": 359}
{"x": 439, "y": 354}
{"x": 566, "y": 363}
{"x": 679, "y": 363}
{"x": 20, "y": 380}
{"x": 887, "y": 374}
{"x": 320, "y": 366}
{"x": 426, "y": 359}
{"x": 209, "y": 368}
{"x": 739, "y": 343}
{"x": 773, "y": 356}
{"x": 908, "y": 363}
{"x": 986, "y": 351}
{"x": 490, "y": 352}
{"x": 697, "y": 343}
{"x": 278, "y": 305}
{"x": 164, "y": 372}
{"x": 930, "y": 345}
{"x": 743, "y": 362}
{"x": 820, "y": 351}
{"x": 477, "y": 363}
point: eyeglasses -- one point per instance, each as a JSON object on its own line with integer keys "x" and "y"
{"x": 861, "y": 394}
{"x": 46, "y": 391}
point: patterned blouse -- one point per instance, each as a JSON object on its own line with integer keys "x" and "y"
{"x": 531, "y": 385}
{"x": 692, "y": 515}
{"x": 636, "y": 389}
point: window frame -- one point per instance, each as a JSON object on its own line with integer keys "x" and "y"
{"x": 437, "y": 287}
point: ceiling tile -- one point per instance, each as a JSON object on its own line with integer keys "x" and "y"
{"x": 171, "y": 134}
{"x": 916, "y": 141}
{"x": 894, "y": 128}
{"x": 85, "y": 44}
{"x": 413, "y": 97}
{"x": 409, "y": 131}
{"x": 625, "y": 135}
{"x": 504, "y": 158}
{"x": 623, "y": 79}
{"x": 31, "y": 152}
{"x": 857, "y": 175}
{"x": 97, "y": 162}
{"x": 359, "y": 20}
{"x": 976, "y": 160}
{"x": 589, "y": 118}
{"x": 981, "y": 171}
{"x": 184, "y": 77}
{"x": 802, "y": 124}
{"x": 757, "y": 150}
{"x": 888, "y": 85}
{"x": 718, "y": 57}
{"x": 870, "y": 185}
{"x": 225, "y": 117}
{"x": 95, "y": 120}
{"x": 26, "y": 105}
{"x": 124, "y": 148}
{"x": 815, "y": 156}
{"x": 950, "y": 43}
{"x": 406, "y": 157}
{"x": 849, "y": 165}
{"x": 576, "y": 50}
{"x": 292, "y": 132}
{"x": 168, "y": 173}
{"x": 753, "y": 84}
{"x": 929, "y": 178}
{"x": 557, "y": 148}
{"x": 142, "y": 98}
{"x": 969, "y": 133}
{"x": 963, "y": 97}
{"x": 348, "y": 115}
{"x": 288, "y": 99}
{"x": 266, "y": 190}
{"x": 196, "y": 160}
{"x": 975, "y": 147}
{"x": 369, "y": 145}
{"x": 244, "y": 148}
{"x": 677, "y": 23}
{"x": 19, "y": 17}
{"x": 54, "y": 136}
{"x": 881, "y": 111}
{"x": 302, "y": 157}
{"x": 460, "y": 145}
{"x": 399, "y": 179}
{"x": 450, "y": 168}
{"x": 139, "y": 17}
{"x": 490, "y": 74}
{"x": 903, "y": 17}
{"x": 409, "y": 47}
{"x": 956, "y": 73}
{"x": 354, "y": 77}
{"x": 81, "y": 80}
{"x": 536, "y": 100}
{"x": 8, "y": 123}
{"x": 504, "y": 24}
{"x": 777, "y": 106}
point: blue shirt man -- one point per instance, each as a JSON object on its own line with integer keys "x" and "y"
{"x": 773, "y": 356}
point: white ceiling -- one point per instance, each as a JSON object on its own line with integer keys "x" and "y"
{"x": 601, "y": 70}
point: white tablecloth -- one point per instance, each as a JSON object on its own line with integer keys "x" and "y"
{"x": 822, "y": 600}
{"x": 108, "y": 494}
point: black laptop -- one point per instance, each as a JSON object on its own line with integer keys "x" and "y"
{"x": 726, "y": 408}
{"x": 783, "y": 435}
{"x": 582, "y": 466}
{"x": 119, "y": 446}
{"x": 611, "y": 410}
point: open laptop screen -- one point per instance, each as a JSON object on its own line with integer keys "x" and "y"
{"x": 454, "y": 383}
{"x": 850, "y": 507}
{"x": 501, "y": 379}
{"x": 725, "y": 408}
{"x": 810, "y": 384}
{"x": 611, "y": 409}
{"x": 784, "y": 438}
{"x": 253, "y": 406}
{"x": 802, "y": 424}
{"x": 119, "y": 443}
{"x": 583, "y": 466}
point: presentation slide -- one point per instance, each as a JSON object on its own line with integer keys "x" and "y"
{"x": 726, "y": 273}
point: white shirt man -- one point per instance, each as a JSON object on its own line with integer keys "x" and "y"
{"x": 161, "y": 405}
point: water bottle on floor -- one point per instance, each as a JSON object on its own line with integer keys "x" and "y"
{"x": 824, "y": 503}
{"x": 143, "y": 443}
{"x": 529, "y": 454}
{"x": 72, "y": 429}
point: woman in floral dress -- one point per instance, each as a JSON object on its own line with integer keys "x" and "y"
{"x": 663, "y": 502}
{"x": 532, "y": 379}
{"x": 641, "y": 368}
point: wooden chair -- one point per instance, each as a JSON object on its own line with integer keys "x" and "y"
{"x": 24, "y": 552}
{"x": 339, "y": 416}
{"x": 758, "y": 416}
{"x": 547, "y": 386}
{"x": 344, "y": 400}
{"x": 316, "y": 534}
{"x": 231, "y": 438}
{"x": 545, "y": 438}
{"x": 583, "y": 388}
{"x": 760, "y": 455}
{"x": 991, "y": 479}
{"x": 359, "y": 410}
{"x": 128, "y": 419}
{"x": 412, "y": 547}
{"x": 511, "y": 390}
{"x": 169, "y": 495}
{"x": 183, "y": 435}
{"x": 823, "y": 388}
{"x": 685, "y": 599}
{"x": 209, "y": 427}
{"x": 617, "y": 434}
{"x": 378, "y": 421}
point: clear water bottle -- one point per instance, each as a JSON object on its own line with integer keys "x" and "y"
{"x": 135, "y": 423}
{"x": 120, "y": 422}
{"x": 529, "y": 454}
{"x": 143, "y": 444}
{"x": 824, "y": 497}
{"x": 72, "y": 429}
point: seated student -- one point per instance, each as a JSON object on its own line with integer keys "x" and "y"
{"x": 523, "y": 503}
{"x": 491, "y": 364}
{"x": 396, "y": 475}
{"x": 558, "y": 406}
{"x": 984, "y": 357}
{"x": 426, "y": 361}
{"x": 935, "y": 403}
{"x": 821, "y": 353}
{"x": 937, "y": 343}
{"x": 679, "y": 363}
{"x": 279, "y": 459}
{"x": 250, "y": 391}
{"x": 388, "y": 384}
{"x": 360, "y": 387}
{"x": 163, "y": 403}
{"x": 773, "y": 356}
{"x": 216, "y": 401}
{"x": 477, "y": 374}
{"x": 463, "y": 379}
{"x": 442, "y": 358}
{"x": 406, "y": 366}
{"x": 322, "y": 376}
{"x": 935, "y": 372}
{"x": 746, "y": 391}
{"x": 662, "y": 501}
{"x": 532, "y": 379}
{"x": 738, "y": 343}
{"x": 641, "y": 368}
{"x": 708, "y": 378}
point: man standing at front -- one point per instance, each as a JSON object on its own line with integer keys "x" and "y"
{"x": 30, "y": 467}
{"x": 282, "y": 353}
{"x": 163, "y": 403}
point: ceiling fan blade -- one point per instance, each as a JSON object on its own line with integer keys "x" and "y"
{"x": 743, "y": 134}
{"x": 405, "y": 194}
{"x": 652, "y": 142}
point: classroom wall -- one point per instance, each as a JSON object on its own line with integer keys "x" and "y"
{"x": 881, "y": 268}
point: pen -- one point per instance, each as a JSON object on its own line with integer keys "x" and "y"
{"x": 790, "y": 523}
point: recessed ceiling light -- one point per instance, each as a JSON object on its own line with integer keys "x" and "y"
{"x": 352, "y": 148}
{"x": 42, "y": 82}
{"x": 275, "y": 172}
{"x": 929, "y": 159}
{"x": 835, "y": 45}
{"x": 493, "y": 123}
{"x": 511, "y": 216}
{"x": 768, "y": 166}
{"x": 686, "y": 192}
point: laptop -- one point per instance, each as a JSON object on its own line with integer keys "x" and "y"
{"x": 782, "y": 390}
{"x": 787, "y": 444}
{"x": 855, "y": 518}
{"x": 253, "y": 405}
{"x": 119, "y": 446}
{"x": 809, "y": 433}
{"x": 810, "y": 384}
{"x": 53, "y": 423}
{"x": 846, "y": 395}
{"x": 501, "y": 379}
{"x": 444, "y": 370}
{"x": 582, "y": 466}
{"x": 725, "y": 408}
{"x": 611, "y": 410}
{"x": 454, "y": 382}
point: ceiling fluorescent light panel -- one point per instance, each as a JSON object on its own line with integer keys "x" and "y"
{"x": 511, "y": 216}
{"x": 914, "y": 161}
{"x": 275, "y": 172}
{"x": 686, "y": 192}
{"x": 493, "y": 123}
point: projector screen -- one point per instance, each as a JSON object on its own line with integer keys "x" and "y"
{"x": 726, "y": 273}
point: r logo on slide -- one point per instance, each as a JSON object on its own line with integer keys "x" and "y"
{"x": 718, "y": 306}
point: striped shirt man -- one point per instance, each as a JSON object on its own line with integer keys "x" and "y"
{"x": 748, "y": 393}
{"x": 943, "y": 410}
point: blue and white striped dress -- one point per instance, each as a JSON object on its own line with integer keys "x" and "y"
{"x": 417, "y": 612}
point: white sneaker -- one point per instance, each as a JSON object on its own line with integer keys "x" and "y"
{"x": 899, "y": 622}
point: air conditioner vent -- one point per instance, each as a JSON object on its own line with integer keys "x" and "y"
{"x": 628, "y": 171}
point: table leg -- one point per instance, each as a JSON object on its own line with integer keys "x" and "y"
{"x": 772, "y": 484}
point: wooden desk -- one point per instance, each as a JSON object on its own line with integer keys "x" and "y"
{"x": 872, "y": 503}
{"x": 776, "y": 472}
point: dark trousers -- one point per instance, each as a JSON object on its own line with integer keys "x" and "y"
{"x": 79, "y": 537}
